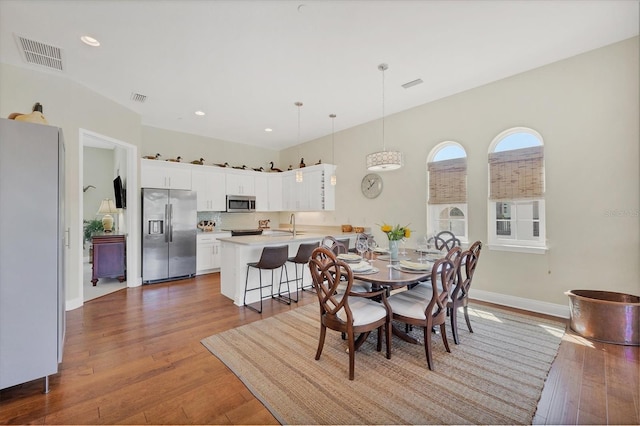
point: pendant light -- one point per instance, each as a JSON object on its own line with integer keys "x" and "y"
{"x": 333, "y": 149}
{"x": 384, "y": 160}
{"x": 299, "y": 177}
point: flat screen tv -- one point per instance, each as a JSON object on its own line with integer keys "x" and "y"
{"x": 120, "y": 193}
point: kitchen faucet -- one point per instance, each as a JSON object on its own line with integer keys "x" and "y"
{"x": 292, "y": 220}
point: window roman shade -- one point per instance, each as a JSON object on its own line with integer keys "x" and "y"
{"x": 448, "y": 181}
{"x": 516, "y": 174}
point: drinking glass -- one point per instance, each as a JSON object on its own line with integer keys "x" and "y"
{"x": 423, "y": 247}
{"x": 362, "y": 246}
{"x": 403, "y": 247}
{"x": 372, "y": 248}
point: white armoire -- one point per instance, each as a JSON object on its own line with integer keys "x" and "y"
{"x": 32, "y": 236}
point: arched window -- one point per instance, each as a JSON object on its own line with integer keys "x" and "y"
{"x": 516, "y": 191}
{"x": 447, "y": 198}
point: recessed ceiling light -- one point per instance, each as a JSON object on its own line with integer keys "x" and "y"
{"x": 413, "y": 83}
{"x": 268, "y": 129}
{"x": 90, "y": 41}
{"x": 199, "y": 112}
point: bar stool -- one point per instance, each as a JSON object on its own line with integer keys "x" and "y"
{"x": 271, "y": 259}
{"x": 302, "y": 258}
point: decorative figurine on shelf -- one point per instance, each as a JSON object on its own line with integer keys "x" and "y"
{"x": 274, "y": 169}
{"x": 152, "y": 157}
{"x": 243, "y": 167}
{"x": 206, "y": 225}
{"x": 35, "y": 116}
{"x": 200, "y": 161}
{"x": 259, "y": 169}
{"x": 290, "y": 167}
{"x": 175, "y": 160}
{"x": 319, "y": 162}
{"x": 302, "y": 163}
{"x": 221, "y": 165}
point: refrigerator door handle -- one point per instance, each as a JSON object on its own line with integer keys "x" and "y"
{"x": 170, "y": 223}
{"x": 167, "y": 219}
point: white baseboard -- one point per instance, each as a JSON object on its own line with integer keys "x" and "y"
{"x": 76, "y": 303}
{"x": 561, "y": 311}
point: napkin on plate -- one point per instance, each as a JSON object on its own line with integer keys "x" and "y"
{"x": 349, "y": 257}
{"x": 415, "y": 265}
{"x": 361, "y": 266}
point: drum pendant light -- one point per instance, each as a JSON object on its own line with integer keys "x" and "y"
{"x": 384, "y": 160}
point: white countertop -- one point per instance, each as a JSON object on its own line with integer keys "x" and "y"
{"x": 266, "y": 240}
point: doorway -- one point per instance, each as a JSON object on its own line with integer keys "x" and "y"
{"x": 127, "y": 165}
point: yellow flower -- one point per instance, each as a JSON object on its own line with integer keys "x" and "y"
{"x": 395, "y": 233}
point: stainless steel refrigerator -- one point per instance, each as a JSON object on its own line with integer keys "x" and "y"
{"x": 169, "y": 219}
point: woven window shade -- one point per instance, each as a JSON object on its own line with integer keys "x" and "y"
{"x": 517, "y": 174}
{"x": 448, "y": 181}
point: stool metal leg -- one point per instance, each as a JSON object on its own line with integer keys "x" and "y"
{"x": 246, "y": 284}
{"x": 279, "y": 297}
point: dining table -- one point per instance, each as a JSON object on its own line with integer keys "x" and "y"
{"x": 391, "y": 275}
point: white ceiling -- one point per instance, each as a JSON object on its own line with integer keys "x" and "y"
{"x": 245, "y": 63}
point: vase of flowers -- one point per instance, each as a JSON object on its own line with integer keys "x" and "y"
{"x": 395, "y": 234}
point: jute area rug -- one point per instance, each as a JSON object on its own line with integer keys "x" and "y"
{"x": 494, "y": 376}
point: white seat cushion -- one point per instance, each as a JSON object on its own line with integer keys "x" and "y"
{"x": 409, "y": 304}
{"x": 356, "y": 287}
{"x": 365, "y": 311}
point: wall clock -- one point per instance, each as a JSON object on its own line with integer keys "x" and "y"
{"x": 371, "y": 185}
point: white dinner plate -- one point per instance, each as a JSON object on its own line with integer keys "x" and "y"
{"x": 410, "y": 271}
{"x": 360, "y": 267}
{"x": 369, "y": 272}
{"x": 349, "y": 258}
{"x": 430, "y": 251}
{"x": 415, "y": 265}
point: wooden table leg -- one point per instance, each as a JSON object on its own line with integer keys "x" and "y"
{"x": 404, "y": 336}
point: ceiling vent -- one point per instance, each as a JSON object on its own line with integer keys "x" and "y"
{"x": 137, "y": 97}
{"x": 37, "y": 53}
{"x": 412, "y": 83}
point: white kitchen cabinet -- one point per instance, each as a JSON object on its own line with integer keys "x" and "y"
{"x": 268, "y": 189}
{"x": 164, "y": 175}
{"x": 314, "y": 193}
{"x": 208, "y": 255}
{"x": 240, "y": 183}
{"x": 210, "y": 186}
{"x": 275, "y": 192}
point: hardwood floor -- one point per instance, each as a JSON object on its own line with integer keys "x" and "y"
{"x": 135, "y": 357}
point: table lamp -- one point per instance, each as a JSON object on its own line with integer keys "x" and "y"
{"x": 107, "y": 206}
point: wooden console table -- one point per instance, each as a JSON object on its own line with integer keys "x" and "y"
{"x": 109, "y": 254}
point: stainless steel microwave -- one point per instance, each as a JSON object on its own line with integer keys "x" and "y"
{"x": 241, "y": 203}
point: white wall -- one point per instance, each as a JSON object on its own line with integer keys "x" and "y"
{"x": 98, "y": 171}
{"x": 69, "y": 106}
{"x": 586, "y": 109}
{"x": 171, "y": 144}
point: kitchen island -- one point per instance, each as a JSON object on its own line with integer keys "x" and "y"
{"x": 238, "y": 251}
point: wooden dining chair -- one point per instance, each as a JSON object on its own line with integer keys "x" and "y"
{"x": 347, "y": 312}
{"x": 446, "y": 240}
{"x": 460, "y": 292}
{"x": 334, "y": 245}
{"x": 417, "y": 308}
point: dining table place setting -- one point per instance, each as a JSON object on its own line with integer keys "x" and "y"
{"x": 363, "y": 267}
{"x": 413, "y": 267}
{"x": 350, "y": 257}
